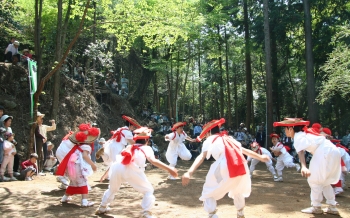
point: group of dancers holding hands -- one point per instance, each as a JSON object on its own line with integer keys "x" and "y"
{"x": 127, "y": 151}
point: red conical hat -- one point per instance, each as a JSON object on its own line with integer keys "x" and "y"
{"x": 207, "y": 127}
{"x": 132, "y": 121}
{"x": 292, "y": 122}
{"x": 177, "y": 125}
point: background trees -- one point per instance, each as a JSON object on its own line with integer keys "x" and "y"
{"x": 199, "y": 57}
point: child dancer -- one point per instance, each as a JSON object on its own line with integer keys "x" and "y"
{"x": 130, "y": 167}
{"x": 9, "y": 155}
{"x": 176, "y": 146}
{"x": 283, "y": 157}
{"x": 228, "y": 174}
{"x": 121, "y": 137}
{"x": 77, "y": 163}
{"x": 259, "y": 150}
{"x": 324, "y": 168}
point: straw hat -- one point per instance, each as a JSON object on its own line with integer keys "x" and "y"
{"x": 38, "y": 114}
{"x": 142, "y": 133}
{"x": 131, "y": 121}
{"x": 207, "y": 127}
{"x": 85, "y": 135}
{"x": 177, "y": 125}
{"x": 292, "y": 122}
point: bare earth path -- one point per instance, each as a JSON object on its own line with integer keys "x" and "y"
{"x": 40, "y": 197}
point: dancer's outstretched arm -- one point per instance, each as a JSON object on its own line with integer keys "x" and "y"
{"x": 199, "y": 160}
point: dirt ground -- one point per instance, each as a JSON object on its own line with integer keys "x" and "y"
{"x": 41, "y": 197}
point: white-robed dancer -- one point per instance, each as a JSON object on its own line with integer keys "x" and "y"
{"x": 77, "y": 163}
{"x": 259, "y": 150}
{"x": 176, "y": 147}
{"x": 228, "y": 174}
{"x": 324, "y": 168}
{"x": 130, "y": 167}
{"x": 119, "y": 140}
{"x": 284, "y": 159}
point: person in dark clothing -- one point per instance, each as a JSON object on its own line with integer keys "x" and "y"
{"x": 260, "y": 137}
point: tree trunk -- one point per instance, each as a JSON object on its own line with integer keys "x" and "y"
{"x": 186, "y": 77}
{"x": 311, "y": 94}
{"x": 269, "y": 102}
{"x": 177, "y": 84}
{"x": 235, "y": 91}
{"x": 200, "y": 81}
{"x": 228, "y": 83}
{"x": 248, "y": 67}
{"x": 58, "y": 54}
{"x": 37, "y": 35}
{"x": 155, "y": 92}
{"x": 221, "y": 81}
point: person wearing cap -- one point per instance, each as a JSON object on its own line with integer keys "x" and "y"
{"x": 9, "y": 153}
{"x": 2, "y": 131}
{"x": 25, "y": 55}
{"x": 51, "y": 160}
{"x": 120, "y": 138}
{"x": 11, "y": 51}
{"x": 228, "y": 174}
{"x": 284, "y": 159}
{"x": 41, "y": 136}
{"x": 324, "y": 168}
{"x": 259, "y": 150}
{"x": 29, "y": 167}
{"x": 77, "y": 163}
{"x": 5, "y": 124}
{"x": 130, "y": 167}
{"x": 176, "y": 147}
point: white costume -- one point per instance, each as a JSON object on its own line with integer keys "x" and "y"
{"x": 218, "y": 182}
{"x": 284, "y": 159}
{"x": 177, "y": 148}
{"x": 346, "y": 158}
{"x": 134, "y": 174}
{"x": 254, "y": 162}
{"x": 324, "y": 166}
{"x": 112, "y": 147}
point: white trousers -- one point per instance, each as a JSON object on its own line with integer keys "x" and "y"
{"x": 7, "y": 161}
{"x": 317, "y": 193}
{"x": 284, "y": 161}
{"x": 181, "y": 151}
{"x": 136, "y": 177}
{"x": 210, "y": 203}
{"x": 269, "y": 166}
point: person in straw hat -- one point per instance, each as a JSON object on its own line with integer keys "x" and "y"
{"x": 176, "y": 146}
{"x": 120, "y": 138}
{"x": 77, "y": 163}
{"x": 228, "y": 174}
{"x": 259, "y": 150}
{"x": 324, "y": 168}
{"x": 284, "y": 159}
{"x": 130, "y": 167}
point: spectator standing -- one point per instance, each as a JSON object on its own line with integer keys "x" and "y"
{"x": 96, "y": 146}
{"x": 9, "y": 153}
{"x": 260, "y": 137}
{"x": 345, "y": 139}
{"x": 197, "y": 130}
{"x": 11, "y": 51}
{"x": 41, "y": 134}
{"x": 124, "y": 83}
{"x": 2, "y": 131}
{"x": 114, "y": 85}
{"x": 336, "y": 135}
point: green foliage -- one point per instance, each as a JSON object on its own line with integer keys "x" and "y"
{"x": 337, "y": 68}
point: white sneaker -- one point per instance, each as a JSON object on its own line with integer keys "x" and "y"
{"x": 86, "y": 203}
{"x": 338, "y": 190}
{"x": 279, "y": 179}
{"x": 66, "y": 199}
{"x": 147, "y": 214}
{"x": 102, "y": 210}
{"x": 62, "y": 186}
{"x": 275, "y": 177}
{"x": 5, "y": 179}
{"x": 331, "y": 210}
{"x": 297, "y": 166}
{"x": 63, "y": 180}
{"x": 171, "y": 177}
{"x": 312, "y": 210}
{"x": 13, "y": 179}
{"x": 213, "y": 214}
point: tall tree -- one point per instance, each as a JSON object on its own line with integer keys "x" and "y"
{"x": 269, "y": 102}
{"x": 311, "y": 93}
{"x": 248, "y": 67}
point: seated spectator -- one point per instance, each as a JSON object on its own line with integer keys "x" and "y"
{"x": 29, "y": 167}
{"x": 160, "y": 120}
{"x": 114, "y": 86}
{"x": 9, "y": 153}
{"x": 152, "y": 124}
{"x": 11, "y": 52}
{"x": 197, "y": 130}
{"x": 51, "y": 160}
{"x": 193, "y": 148}
{"x": 25, "y": 55}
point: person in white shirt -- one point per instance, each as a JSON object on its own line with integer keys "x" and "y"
{"x": 130, "y": 168}
{"x": 11, "y": 51}
{"x": 284, "y": 159}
